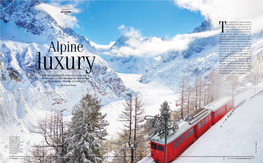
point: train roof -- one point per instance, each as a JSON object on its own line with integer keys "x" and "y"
{"x": 218, "y": 103}
{"x": 184, "y": 125}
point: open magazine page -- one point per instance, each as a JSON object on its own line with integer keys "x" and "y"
{"x": 90, "y": 81}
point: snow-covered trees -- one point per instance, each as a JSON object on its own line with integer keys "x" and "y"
{"x": 127, "y": 119}
{"x": 86, "y": 132}
{"x": 187, "y": 93}
{"x": 52, "y": 128}
{"x": 194, "y": 93}
{"x": 132, "y": 136}
{"x": 182, "y": 93}
{"x": 214, "y": 87}
{"x": 80, "y": 141}
{"x": 155, "y": 125}
{"x": 138, "y": 137}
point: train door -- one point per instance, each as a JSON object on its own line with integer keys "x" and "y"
{"x": 161, "y": 153}
{"x": 224, "y": 110}
{"x": 154, "y": 151}
{"x": 170, "y": 151}
{"x": 213, "y": 118}
{"x": 196, "y": 132}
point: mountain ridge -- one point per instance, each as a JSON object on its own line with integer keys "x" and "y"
{"x": 22, "y": 86}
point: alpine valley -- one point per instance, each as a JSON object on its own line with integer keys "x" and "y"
{"x": 26, "y": 92}
{"x": 22, "y": 88}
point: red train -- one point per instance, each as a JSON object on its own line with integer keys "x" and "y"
{"x": 190, "y": 129}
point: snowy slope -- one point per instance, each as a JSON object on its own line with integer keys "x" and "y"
{"x": 153, "y": 95}
{"x": 231, "y": 139}
{"x": 22, "y": 88}
{"x": 197, "y": 60}
{"x": 24, "y": 95}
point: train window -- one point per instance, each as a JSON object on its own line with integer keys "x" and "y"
{"x": 160, "y": 148}
{"x": 153, "y": 146}
{"x": 181, "y": 139}
{"x": 175, "y": 143}
{"x": 203, "y": 123}
{"x": 186, "y": 135}
{"x": 223, "y": 109}
{"x": 210, "y": 117}
{"x": 216, "y": 114}
{"x": 199, "y": 126}
{"x": 206, "y": 119}
{"x": 191, "y": 132}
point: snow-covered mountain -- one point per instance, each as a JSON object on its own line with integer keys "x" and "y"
{"x": 127, "y": 64}
{"x": 205, "y": 26}
{"x": 138, "y": 64}
{"x": 25, "y": 31}
{"x": 200, "y": 56}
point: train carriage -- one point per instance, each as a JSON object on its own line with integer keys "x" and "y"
{"x": 188, "y": 131}
{"x": 220, "y": 108}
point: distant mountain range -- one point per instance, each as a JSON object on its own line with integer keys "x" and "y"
{"x": 139, "y": 64}
{"x": 26, "y": 31}
{"x": 197, "y": 60}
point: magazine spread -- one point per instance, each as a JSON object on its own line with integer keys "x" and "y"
{"x": 158, "y": 81}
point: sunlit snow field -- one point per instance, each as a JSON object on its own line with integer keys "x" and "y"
{"x": 237, "y": 136}
{"x": 152, "y": 94}
{"x": 237, "y": 139}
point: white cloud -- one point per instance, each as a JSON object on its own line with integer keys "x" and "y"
{"x": 63, "y": 20}
{"x": 227, "y": 10}
{"x": 102, "y": 47}
{"x": 214, "y": 10}
{"x": 155, "y": 46}
{"x": 121, "y": 27}
{"x": 129, "y": 31}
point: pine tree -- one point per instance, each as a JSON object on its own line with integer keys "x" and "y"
{"x": 132, "y": 136}
{"x": 86, "y": 132}
{"x": 138, "y": 137}
{"x": 52, "y": 129}
{"x": 156, "y": 125}
{"x": 196, "y": 92}
{"x": 189, "y": 93}
{"x": 127, "y": 119}
{"x": 184, "y": 90}
{"x": 214, "y": 90}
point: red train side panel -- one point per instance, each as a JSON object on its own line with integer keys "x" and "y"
{"x": 220, "y": 108}
{"x": 193, "y": 126}
{"x": 178, "y": 141}
{"x": 202, "y": 126}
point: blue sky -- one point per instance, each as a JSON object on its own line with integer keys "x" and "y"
{"x": 99, "y": 20}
